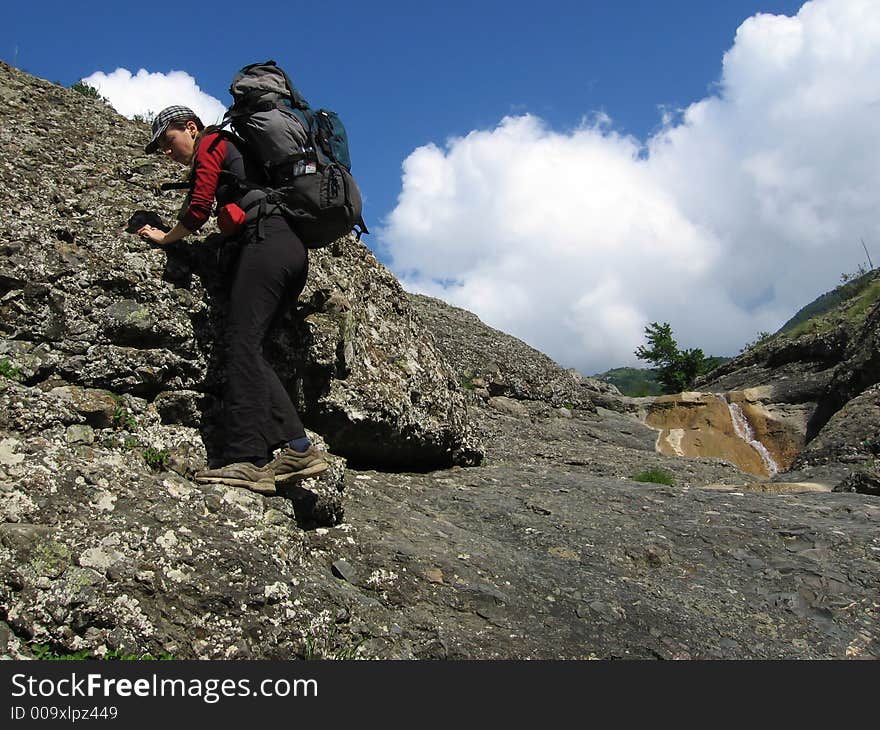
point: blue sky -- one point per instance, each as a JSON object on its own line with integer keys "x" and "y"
{"x": 403, "y": 74}
{"x": 569, "y": 171}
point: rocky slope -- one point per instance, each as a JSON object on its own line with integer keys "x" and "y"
{"x": 549, "y": 549}
{"x": 492, "y": 363}
{"x": 84, "y": 304}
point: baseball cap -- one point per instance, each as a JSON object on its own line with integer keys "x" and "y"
{"x": 163, "y": 119}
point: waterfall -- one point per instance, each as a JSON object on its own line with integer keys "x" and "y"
{"x": 744, "y": 430}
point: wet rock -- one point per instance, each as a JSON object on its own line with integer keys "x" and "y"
{"x": 734, "y": 426}
{"x": 818, "y": 373}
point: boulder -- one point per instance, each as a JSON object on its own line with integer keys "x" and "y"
{"x": 851, "y": 435}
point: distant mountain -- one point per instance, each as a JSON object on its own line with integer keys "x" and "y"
{"x": 635, "y": 382}
{"x": 640, "y": 382}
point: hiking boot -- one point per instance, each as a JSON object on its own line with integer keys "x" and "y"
{"x": 292, "y": 464}
{"x": 259, "y": 479}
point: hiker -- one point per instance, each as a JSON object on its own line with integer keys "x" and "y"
{"x": 269, "y": 275}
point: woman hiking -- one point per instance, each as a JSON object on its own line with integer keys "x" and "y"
{"x": 269, "y": 275}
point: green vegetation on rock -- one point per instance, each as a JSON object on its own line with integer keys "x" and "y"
{"x": 8, "y": 370}
{"x": 123, "y": 420}
{"x": 654, "y": 475}
{"x": 44, "y": 652}
{"x": 157, "y": 459}
{"x": 80, "y": 87}
{"x": 846, "y": 305}
{"x": 145, "y": 118}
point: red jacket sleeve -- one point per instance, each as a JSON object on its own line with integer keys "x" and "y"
{"x": 206, "y": 174}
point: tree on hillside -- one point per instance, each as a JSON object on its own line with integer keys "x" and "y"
{"x": 676, "y": 369}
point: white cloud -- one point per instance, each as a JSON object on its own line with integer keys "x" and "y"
{"x": 146, "y": 92}
{"x": 738, "y": 212}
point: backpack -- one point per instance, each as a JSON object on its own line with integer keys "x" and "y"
{"x": 303, "y": 154}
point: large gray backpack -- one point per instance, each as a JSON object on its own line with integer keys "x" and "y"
{"x": 303, "y": 154}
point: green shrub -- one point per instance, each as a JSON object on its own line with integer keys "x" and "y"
{"x": 762, "y": 337}
{"x": 8, "y": 370}
{"x": 47, "y": 653}
{"x": 330, "y": 645}
{"x": 635, "y": 382}
{"x": 157, "y": 459}
{"x": 811, "y": 317}
{"x": 90, "y": 92}
{"x": 872, "y": 444}
{"x": 466, "y": 380}
{"x": 123, "y": 419}
{"x": 654, "y": 475}
{"x": 120, "y": 656}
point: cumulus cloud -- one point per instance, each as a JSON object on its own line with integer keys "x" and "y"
{"x": 147, "y": 93}
{"x": 740, "y": 210}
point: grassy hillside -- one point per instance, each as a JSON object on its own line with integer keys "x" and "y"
{"x": 846, "y": 305}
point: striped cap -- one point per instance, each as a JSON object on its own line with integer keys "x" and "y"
{"x": 163, "y": 119}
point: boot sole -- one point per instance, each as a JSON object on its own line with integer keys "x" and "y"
{"x": 253, "y": 486}
{"x": 309, "y": 471}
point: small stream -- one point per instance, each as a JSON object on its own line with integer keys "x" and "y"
{"x": 744, "y": 430}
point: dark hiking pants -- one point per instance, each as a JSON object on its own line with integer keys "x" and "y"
{"x": 269, "y": 276}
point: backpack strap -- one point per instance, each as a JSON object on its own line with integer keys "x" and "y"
{"x": 361, "y": 228}
{"x": 257, "y": 202}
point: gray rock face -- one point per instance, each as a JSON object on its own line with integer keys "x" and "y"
{"x": 369, "y": 376}
{"x": 851, "y": 436}
{"x": 548, "y": 560}
{"x": 550, "y": 550}
{"x": 493, "y": 363}
{"x": 858, "y": 370}
{"x": 83, "y": 304}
